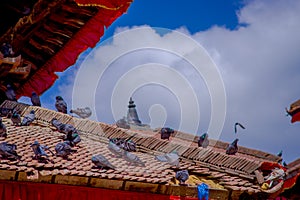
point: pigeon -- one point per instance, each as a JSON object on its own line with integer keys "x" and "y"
{"x": 57, "y": 124}
{"x": 3, "y": 130}
{"x": 63, "y": 149}
{"x": 6, "y": 112}
{"x": 182, "y": 176}
{"x": 82, "y": 112}
{"x": 117, "y": 151}
{"x": 238, "y": 124}
{"x": 61, "y": 105}
{"x": 10, "y": 93}
{"x": 102, "y": 162}
{"x": 125, "y": 144}
{"x": 122, "y": 123}
{"x": 133, "y": 159}
{"x": 39, "y": 150}
{"x": 6, "y": 49}
{"x": 16, "y": 119}
{"x": 73, "y": 138}
{"x": 8, "y": 151}
{"x": 35, "y": 99}
{"x": 165, "y": 133}
{"x": 232, "y": 148}
{"x": 171, "y": 158}
{"x": 28, "y": 119}
{"x": 203, "y": 141}
{"x": 280, "y": 153}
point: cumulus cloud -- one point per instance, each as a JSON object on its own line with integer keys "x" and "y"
{"x": 258, "y": 63}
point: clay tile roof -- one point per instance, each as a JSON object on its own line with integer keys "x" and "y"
{"x": 211, "y": 165}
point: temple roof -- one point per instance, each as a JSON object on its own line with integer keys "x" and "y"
{"x": 47, "y": 37}
{"x": 210, "y": 165}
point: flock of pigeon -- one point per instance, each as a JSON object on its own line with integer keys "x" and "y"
{"x": 119, "y": 147}
{"x": 203, "y": 141}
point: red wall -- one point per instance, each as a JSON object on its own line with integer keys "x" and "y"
{"x": 10, "y": 190}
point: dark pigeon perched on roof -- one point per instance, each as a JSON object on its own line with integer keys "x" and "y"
{"x": 113, "y": 148}
{"x": 165, "y": 133}
{"x": 61, "y": 105}
{"x": 8, "y": 151}
{"x": 3, "y": 130}
{"x": 28, "y": 119}
{"x": 203, "y": 141}
{"x": 280, "y": 153}
{"x": 6, "y": 112}
{"x": 35, "y": 99}
{"x": 232, "y": 148}
{"x": 73, "y": 137}
{"x": 182, "y": 176}
{"x": 16, "y": 118}
{"x": 100, "y": 161}
{"x": 39, "y": 150}
{"x": 10, "y": 93}
{"x": 133, "y": 159}
{"x": 63, "y": 149}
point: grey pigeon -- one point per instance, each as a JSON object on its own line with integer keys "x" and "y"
{"x": 232, "y": 148}
{"x": 171, "y": 158}
{"x": 67, "y": 128}
{"x": 10, "y": 93}
{"x": 122, "y": 123}
{"x": 203, "y": 141}
{"x": 133, "y": 159}
{"x": 28, "y": 119}
{"x": 124, "y": 143}
{"x": 61, "y": 105}
{"x": 117, "y": 151}
{"x": 16, "y": 119}
{"x": 82, "y": 112}
{"x": 8, "y": 151}
{"x": 165, "y": 133}
{"x": 102, "y": 162}
{"x": 63, "y": 149}
{"x": 57, "y": 124}
{"x": 3, "y": 130}
{"x": 238, "y": 124}
{"x": 35, "y": 99}
{"x": 39, "y": 150}
{"x": 182, "y": 176}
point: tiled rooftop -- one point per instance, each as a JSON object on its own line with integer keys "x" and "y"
{"x": 210, "y": 165}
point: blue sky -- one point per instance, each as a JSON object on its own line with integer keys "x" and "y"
{"x": 195, "y": 15}
{"x": 254, "y": 45}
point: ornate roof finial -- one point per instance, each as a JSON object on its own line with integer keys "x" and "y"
{"x": 132, "y": 115}
{"x": 131, "y": 103}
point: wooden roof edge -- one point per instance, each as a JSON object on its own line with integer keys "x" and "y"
{"x": 77, "y": 121}
{"x": 294, "y": 163}
{"x": 36, "y": 15}
{"x": 126, "y": 185}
